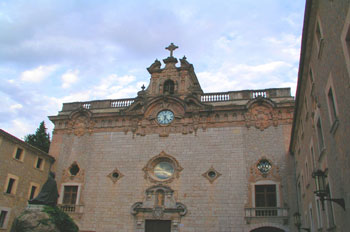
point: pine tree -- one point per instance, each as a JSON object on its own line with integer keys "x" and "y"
{"x": 40, "y": 139}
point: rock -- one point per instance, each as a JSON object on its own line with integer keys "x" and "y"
{"x": 34, "y": 221}
{"x": 43, "y": 218}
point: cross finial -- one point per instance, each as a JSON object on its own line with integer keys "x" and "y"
{"x": 171, "y": 48}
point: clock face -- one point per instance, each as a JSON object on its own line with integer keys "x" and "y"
{"x": 165, "y": 117}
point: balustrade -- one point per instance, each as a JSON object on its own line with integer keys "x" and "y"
{"x": 122, "y": 103}
{"x": 215, "y": 97}
{"x": 86, "y": 105}
{"x": 259, "y": 94}
{"x": 71, "y": 208}
{"x": 266, "y": 212}
{"x": 207, "y": 97}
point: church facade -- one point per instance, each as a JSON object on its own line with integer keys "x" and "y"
{"x": 177, "y": 159}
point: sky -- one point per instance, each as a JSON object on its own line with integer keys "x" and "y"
{"x": 57, "y": 51}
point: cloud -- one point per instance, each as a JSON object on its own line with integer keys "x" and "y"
{"x": 38, "y": 74}
{"x": 242, "y": 76}
{"x": 69, "y": 78}
{"x": 106, "y": 51}
{"x": 15, "y": 107}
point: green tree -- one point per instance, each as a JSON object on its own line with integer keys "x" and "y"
{"x": 40, "y": 139}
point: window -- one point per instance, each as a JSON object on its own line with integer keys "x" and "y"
{"x": 11, "y": 184}
{"x": 319, "y": 38}
{"x": 33, "y": 190}
{"x": 306, "y": 109}
{"x": 306, "y": 173}
{"x": 70, "y": 195}
{"x": 303, "y": 183}
{"x": 311, "y": 76}
{"x": 318, "y": 32}
{"x": 331, "y": 105}
{"x": 329, "y": 209}
{"x": 74, "y": 169}
{"x": 345, "y": 40}
{"x": 265, "y": 196}
{"x": 19, "y": 154}
{"x": 319, "y": 213}
{"x": 311, "y": 220}
{"x": 312, "y": 157}
{"x": 3, "y": 218}
{"x": 301, "y": 129}
{"x": 299, "y": 191}
{"x": 168, "y": 87}
{"x": 320, "y": 135}
{"x": 39, "y": 163}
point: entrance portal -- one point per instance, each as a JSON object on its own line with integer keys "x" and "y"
{"x": 158, "y": 226}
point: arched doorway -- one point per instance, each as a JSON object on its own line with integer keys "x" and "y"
{"x": 267, "y": 229}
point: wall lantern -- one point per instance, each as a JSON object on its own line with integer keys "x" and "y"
{"x": 297, "y": 222}
{"x": 321, "y": 190}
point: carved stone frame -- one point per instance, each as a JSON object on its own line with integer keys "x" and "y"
{"x": 148, "y": 210}
{"x": 211, "y": 179}
{"x": 148, "y": 169}
{"x": 115, "y": 179}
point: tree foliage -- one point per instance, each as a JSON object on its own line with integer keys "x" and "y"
{"x": 40, "y": 139}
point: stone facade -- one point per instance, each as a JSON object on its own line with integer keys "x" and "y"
{"x": 321, "y": 122}
{"x": 21, "y": 175}
{"x": 175, "y": 154}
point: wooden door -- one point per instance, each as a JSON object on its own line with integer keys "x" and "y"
{"x": 158, "y": 226}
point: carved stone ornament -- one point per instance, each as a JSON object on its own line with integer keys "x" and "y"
{"x": 158, "y": 212}
{"x": 211, "y": 174}
{"x": 115, "y": 175}
{"x": 71, "y": 176}
{"x": 262, "y": 114}
{"x": 162, "y": 168}
{"x": 159, "y": 203}
{"x": 259, "y": 171}
{"x": 80, "y": 122}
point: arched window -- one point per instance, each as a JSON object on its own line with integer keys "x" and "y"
{"x": 168, "y": 87}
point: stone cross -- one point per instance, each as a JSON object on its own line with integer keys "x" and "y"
{"x": 171, "y": 48}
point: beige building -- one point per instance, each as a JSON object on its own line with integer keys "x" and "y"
{"x": 23, "y": 170}
{"x": 321, "y": 123}
{"x": 177, "y": 159}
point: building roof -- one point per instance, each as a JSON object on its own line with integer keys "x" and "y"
{"x": 24, "y": 144}
{"x": 303, "y": 52}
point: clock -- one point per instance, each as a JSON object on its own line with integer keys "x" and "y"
{"x": 165, "y": 117}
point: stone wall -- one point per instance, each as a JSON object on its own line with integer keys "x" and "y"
{"x": 23, "y": 169}
{"x": 217, "y": 206}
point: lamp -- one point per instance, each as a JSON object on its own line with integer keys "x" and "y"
{"x": 321, "y": 190}
{"x": 297, "y": 222}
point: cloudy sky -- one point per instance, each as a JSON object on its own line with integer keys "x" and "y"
{"x": 55, "y": 51}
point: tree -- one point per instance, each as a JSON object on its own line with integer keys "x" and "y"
{"x": 40, "y": 139}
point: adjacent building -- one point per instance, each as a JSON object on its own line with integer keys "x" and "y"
{"x": 177, "y": 159}
{"x": 23, "y": 170}
{"x": 319, "y": 142}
